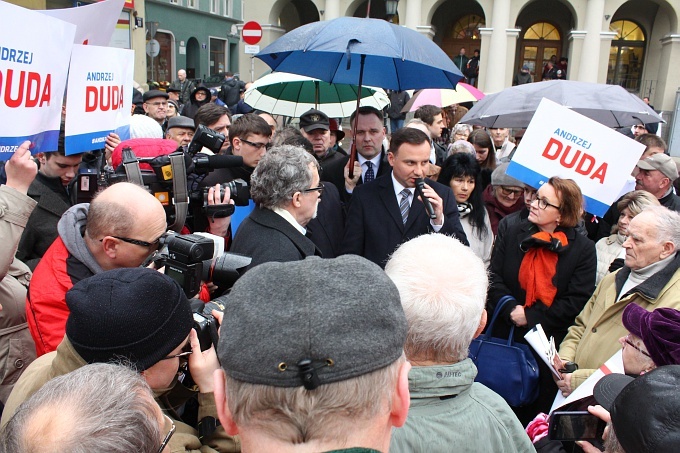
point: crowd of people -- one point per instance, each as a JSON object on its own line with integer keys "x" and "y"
{"x": 368, "y": 280}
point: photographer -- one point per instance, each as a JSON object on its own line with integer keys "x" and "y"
{"x": 15, "y": 209}
{"x": 142, "y": 317}
{"x": 120, "y": 228}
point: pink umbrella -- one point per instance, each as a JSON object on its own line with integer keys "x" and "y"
{"x": 443, "y": 97}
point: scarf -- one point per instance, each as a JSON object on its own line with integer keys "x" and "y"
{"x": 464, "y": 209}
{"x": 539, "y": 266}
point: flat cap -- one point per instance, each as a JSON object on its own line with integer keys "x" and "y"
{"x": 155, "y": 94}
{"x": 181, "y": 121}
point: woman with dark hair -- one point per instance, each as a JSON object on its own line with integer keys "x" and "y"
{"x": 486, "y": 158}
{"x": 461, "y": 172}
{"x": 548, "y": 269}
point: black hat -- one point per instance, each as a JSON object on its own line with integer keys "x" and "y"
{"x": 137, "y": 98}
{"x": 181, "y": 121}
{"x": 283, "y": 318}
{"x": 155, "y": 94}
{"x": 137, "y": 314}
{"x": 172, "y": 90}
{"x": 314, "y": 119}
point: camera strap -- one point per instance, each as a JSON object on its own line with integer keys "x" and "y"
{"x": 179, "y": 190}
{"x": 131, "y": 165}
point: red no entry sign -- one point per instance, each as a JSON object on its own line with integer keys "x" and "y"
{"x": 252, "y": 32}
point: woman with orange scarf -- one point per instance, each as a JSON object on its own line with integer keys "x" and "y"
{"x": 549, "y": 269}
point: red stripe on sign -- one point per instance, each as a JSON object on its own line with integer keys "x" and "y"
{"x": 252, "y": 32}
{"x": 605, "y": 369}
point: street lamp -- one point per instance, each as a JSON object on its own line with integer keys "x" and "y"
{"x": 391, "y": 9}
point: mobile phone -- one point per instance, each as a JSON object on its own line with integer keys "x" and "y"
{"x": 575, "y": 425}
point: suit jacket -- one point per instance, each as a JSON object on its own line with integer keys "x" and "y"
{"x": 374, "y": 227}
{"x": 266, "y": 236}
{"x": 335, "y": 173}
{"x": 327, "y": 228}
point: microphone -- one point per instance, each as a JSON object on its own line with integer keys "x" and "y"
{"x": 420, "y": 183}
{"x": 218, "y": 161}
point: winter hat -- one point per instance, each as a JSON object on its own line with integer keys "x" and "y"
{"x": 142, "y": 126}
{"x": 136, "y": 314}
{"x": 499, "y": 177}
{"x": 659, "y": 331}
{"x": 300, "y": 324}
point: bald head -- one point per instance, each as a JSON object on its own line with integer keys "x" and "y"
{"x": 123, "y": 210}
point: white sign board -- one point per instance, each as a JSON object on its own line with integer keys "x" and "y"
{"x": 252, "y": 49}
{"x": 99, "y": 96}
{"x": 96, "y": 22}
{"x": 33, "y": 68}
{"x": 561, "y": 142}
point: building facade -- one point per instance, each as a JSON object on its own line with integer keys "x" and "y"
{"x": 199, "y": 36}
{"x": 630, "y": 43}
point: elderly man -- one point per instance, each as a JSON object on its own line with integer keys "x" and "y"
{"x": 142, "y": 318}
{"x": 656, "y": 174}
{"x": 502, "y": 146}
{"x": 180, "y": 129}
{"x": 184, "y": 86}
{"x": 649, "y": 278}
{"x": 443, "y": 319}
{"x": 315, "y": 126}
{"x": 326, "y": 370}
{"x": 120, "y": 228}
{"x": 286, "y": 188}
{"x": 156, "y": 106}
{"x": 65, "y": 414}
{"x": 389, "y": 212}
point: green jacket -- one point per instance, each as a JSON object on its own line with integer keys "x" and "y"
{"x": 593, "y": 338}
{"x": 450, "y": 412}
{"x": 65, "y": 359}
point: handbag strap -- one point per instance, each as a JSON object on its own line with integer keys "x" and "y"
{"x": 499, "y": 307}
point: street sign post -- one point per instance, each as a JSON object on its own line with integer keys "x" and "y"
{"x": 252, "y": 33}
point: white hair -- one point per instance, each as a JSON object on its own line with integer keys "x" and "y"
{"x": 442, "y": 285}
{"x": 667, "y": 224}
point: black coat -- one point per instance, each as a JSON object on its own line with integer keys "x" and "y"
{"x": 327, "y": 228}
{"x": 335, "y": 172}
{"x": 266, "y": 236}
{"x": 374, "y": 226}
{"x": 41, "y": 229}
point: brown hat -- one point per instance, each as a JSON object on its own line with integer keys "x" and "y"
{"x": 662, "y": 162}
{"x": 336, "y": 129}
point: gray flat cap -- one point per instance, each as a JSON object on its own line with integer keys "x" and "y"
{"x": 311, "y": 322}
{"x": 181, "y": 121}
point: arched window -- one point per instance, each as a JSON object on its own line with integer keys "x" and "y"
{"x": 626, "y": 55}
{"x": 541, "y": 42}
{"x": 467, "y": 27}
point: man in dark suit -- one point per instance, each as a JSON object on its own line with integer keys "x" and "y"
{"x": 286, "y": 188}
{"x": 371, "y": 159}
{"x": 384, "y": 214}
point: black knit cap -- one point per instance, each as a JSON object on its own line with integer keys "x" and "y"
{"x": 136, "y": 314}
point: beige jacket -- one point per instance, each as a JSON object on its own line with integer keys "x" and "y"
{"x": 593, "y": 338}
{"x": 17, "y": 349}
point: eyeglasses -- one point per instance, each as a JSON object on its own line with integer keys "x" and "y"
{"x": 630, "y": 343}
{"x": 158, "y": 104}
{"x": 544, "y": 203}
{"x": 137, "y": 241}
{"x": 257, "y": 145}
{"x": 168, "y": 436}
{"x": 508, "y": 192}
{"x": 313, "y": 189}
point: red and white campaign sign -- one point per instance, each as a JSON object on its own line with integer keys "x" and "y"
{"x": 561, "y": 142}
{"x": 34, "y": 58}
{"x": 252, "y": 32}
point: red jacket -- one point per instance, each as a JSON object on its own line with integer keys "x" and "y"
{"x": 46, "y": 309}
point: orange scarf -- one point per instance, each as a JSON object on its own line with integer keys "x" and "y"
{"x": 539, "y": 266}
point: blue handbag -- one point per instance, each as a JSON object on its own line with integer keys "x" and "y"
{"x": 506, "y": 367}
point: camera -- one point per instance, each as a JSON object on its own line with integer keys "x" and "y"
{"x": 190, "y": 259}
{"x": 205, "y": 324}
{"x": 205, "y": 138}
{"x": 239, "y": 191}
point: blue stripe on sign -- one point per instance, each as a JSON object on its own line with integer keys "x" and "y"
{"x": 76, "y": 144}
{"x": 41, "y": 142}
{"x": 534, "y": 179}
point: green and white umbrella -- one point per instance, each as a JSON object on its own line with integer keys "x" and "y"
{"x": 281, "y": 93}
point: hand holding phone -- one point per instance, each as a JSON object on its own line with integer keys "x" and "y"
{"x": 575, "y": 425}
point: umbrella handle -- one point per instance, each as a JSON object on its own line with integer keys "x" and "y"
{"x": 353, "y": 149}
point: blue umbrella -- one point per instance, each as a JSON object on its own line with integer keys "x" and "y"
{"x": 396, "y": 57}
{"x": 351, "y": 49}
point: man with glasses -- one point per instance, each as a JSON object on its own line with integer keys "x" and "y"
{"x": 156, "y": 106}
{"x": 141, "y": 318}
{"x": 120, "y": 228}
{"x": 649, "y": 278}
{"x": 286, "y": 188}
